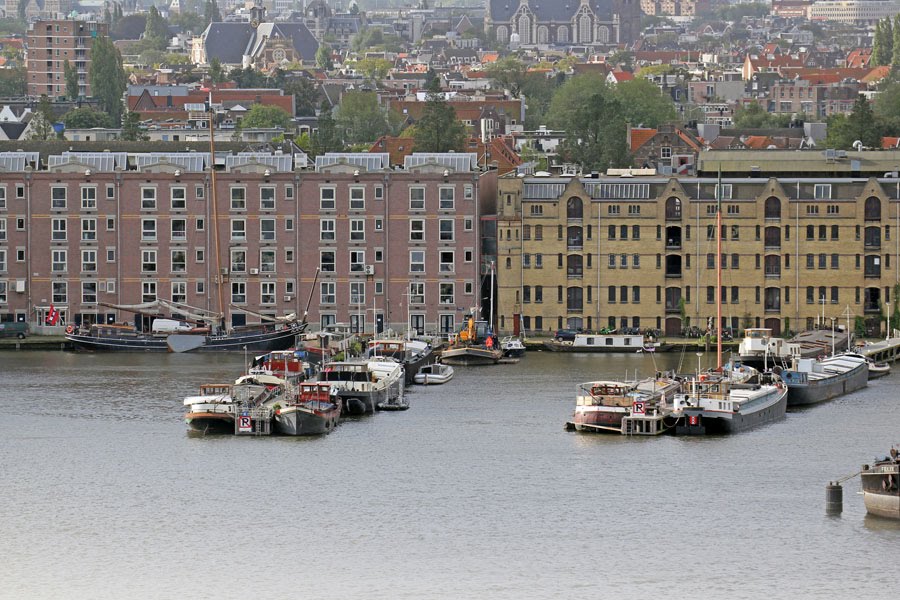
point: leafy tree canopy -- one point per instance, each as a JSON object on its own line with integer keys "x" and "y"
{"x": 362, "y": 119}
{"x": 262, "y": 116}
{"x": 439, "y": 130}
{"x": 859, "y": 125}
{"x": 509, "y": 73}
{"x": 107, "y": 76}
{"x": 644, "y": 103}
{"x": 86, "y": 118}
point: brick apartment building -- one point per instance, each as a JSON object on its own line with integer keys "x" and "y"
{"x": 368, "y": 243}
{"x": 49, "y": 45}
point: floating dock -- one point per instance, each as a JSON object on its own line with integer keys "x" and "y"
{"x": 884, "y": 351}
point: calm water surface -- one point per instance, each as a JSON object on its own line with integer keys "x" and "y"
{"x": 476, "y": 492}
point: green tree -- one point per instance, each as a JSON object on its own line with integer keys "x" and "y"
{"x": 327, "y": 137}
{"x": 888, "y": 41}
{"x": 644, "y": 103}
{"x": 211, "y": 12}
{"x": 107, "y": 76}
{"x": 306, "y": 95}
{"x": 156, "y": 32}
{"x": 752, "y": 116}
{"x": 12, "y": 82}
{"x": 439, "y": 130}
{"x": 374, "y": 69}
{"x": 538, "y": 90}
{"x": 86, "y": 118}
{"x": 859, "y": 125}
{"x": 42, "y": 121}
{"x": 593, "y": 120}
{"x": 880, "y": 55}
{"x": 323, "y": 57}
{"x": 895, "y": 44}
{"x": 262, "y": 116}
{"x": 248, "y": 77}
{"x": 216, "y": 71}
{"x": 362, "y": 119}
{"x": 508, "y": 73}
{"x": 131, "y": 128}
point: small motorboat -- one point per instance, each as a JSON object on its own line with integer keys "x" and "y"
{"x": 434, "y": 374}
{"x": 878, "y": 369}
{"x": 512, "y": 347}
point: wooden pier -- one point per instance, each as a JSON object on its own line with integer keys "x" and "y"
{"x": 884, "y": 351}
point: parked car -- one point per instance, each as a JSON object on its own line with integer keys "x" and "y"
{"x": 566, "y": 335}
{"x": 18, "y": 329}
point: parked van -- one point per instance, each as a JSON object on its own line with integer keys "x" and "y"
{"x": 170, "y": 326}
{"x": 18, "y": 329}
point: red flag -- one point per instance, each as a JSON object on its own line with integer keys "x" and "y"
{"x": 52, "y": 316}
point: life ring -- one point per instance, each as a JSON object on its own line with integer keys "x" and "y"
{"x": 70, "y": 329}
{"x": 703, "y": 378}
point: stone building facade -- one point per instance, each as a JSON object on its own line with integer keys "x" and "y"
{"x": 641, "y": 252}
{"x": 582, "y": 22}
{"x": 367, "y": 243}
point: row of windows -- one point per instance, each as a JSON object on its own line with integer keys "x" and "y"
{"x": 357, "y": 292}
{"x": 90, "y": 289}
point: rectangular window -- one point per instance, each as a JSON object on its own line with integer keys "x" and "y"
{"x": 88, "y": 198}
{"x": 357, "y": 261}
{"x": 199, "y": 255}
{"x": 447, "y": 198}
{"x": 110, "y": 223}
{"x": 327, "y": 292}
{"x": 326, "y": 230}
{"x": 288, "y": 192}
{"x": 200, "y": 288}
{"x": 238, "y": 292}
{"x": 58, "y": 198}
{"x": 238, "y": 198}
{"x": 238, "y": 261}
{"x": 326, "y": 198}
{"x": 148, "y": 230}
{"x": 416, "y": 292}
{"x": 179, "y": 198}
{"x": 148, "y": 198}
{"x": 148, "y": 261}
{"x": 468, "y": 191}
{"x": 110, "y": 255}
{"x": 179, "y": 261}
{"x": 289, "y": 224}
{"x": 416, "y": 261}
{"x": 267, "y": 198}
{"x": 267, "y": 292}
{"x": 446, "y": 261}
{"x": 357, "y": 198}
{"x": 446, "y": 293}
{"x": 110, "y": 192}
{"x": 723, "y": 192}
{"x": 201, "y": 224}
{"x": 416, "y": 198}
{"x": 822, "y": 192}
{"x": 357, "y": 230}
{"x": 58, "y": 264}
{"x": 417, "y": 230}
{"x": 326, "y": 261}
{"x": 468, "y": 255}
{"x": 358, "y": 293}
{"x": 179, "y": 291}
{"x": 379, "y": 192}
{"x": 89, "y": 292}
{"x": 199, "y": 192}
{"x": 148, "y": 291}
{"x": 446, "y": 229}
{"x": 288, "y": 255}
{"x": 238, "y": 230}
{"x": 267, "y": 261}
{"x": 179, "y": 230}
{"x": 59, "y": 230}
{"x": 89, "y": 230}
{"x": 60, "y": 292}
{"x": 267, "y": 230}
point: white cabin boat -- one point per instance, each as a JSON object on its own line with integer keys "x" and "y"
{"x": 434, "y": 374}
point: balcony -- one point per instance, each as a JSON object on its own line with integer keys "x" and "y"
{"x": 871, "y": 307}
{"x": 672, "y": 309}
{"x": 573, "y": 244}
{"x": 773, "y": 272}
{"x": 872, "y": 245}
{"x": 574, "y": 273}
{"x": 873, "y": 272}
{"x": 773, "y": 307}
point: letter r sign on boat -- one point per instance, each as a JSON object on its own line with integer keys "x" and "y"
{"x": 245, "y": 425}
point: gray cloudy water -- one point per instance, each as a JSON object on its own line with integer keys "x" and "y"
{"x": 475, "y": 492}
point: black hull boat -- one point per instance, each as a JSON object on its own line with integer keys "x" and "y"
{"x": 880, "y": 487}
{"x": 112, "y": 338}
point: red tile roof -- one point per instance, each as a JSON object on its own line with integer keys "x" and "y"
{"x": 640, "y": 136}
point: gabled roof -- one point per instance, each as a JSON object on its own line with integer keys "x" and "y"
{"x": 640, "y": 136}
{"x": 228, "y": 41}
{"x": 552, "y": 10}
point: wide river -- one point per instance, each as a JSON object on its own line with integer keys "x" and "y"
{"x": 476, "y": 492}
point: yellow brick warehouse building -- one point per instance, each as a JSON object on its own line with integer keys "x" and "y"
{"x": 597, "y": 252}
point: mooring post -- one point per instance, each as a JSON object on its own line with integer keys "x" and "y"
{"x": 834, "y": 498}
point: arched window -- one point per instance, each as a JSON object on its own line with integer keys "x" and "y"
{"x": 584, "y": 29}
{"x": 524, "y": 29}
{"x": 562, "y": 34}
{"x": 502, "y": 34}
{"x": 873, "y": 209}
{"x": 543, "y": 34}
{"x": 574, "y": 208}
{"x": 773, "y": 208}
{"x": 673, "y": 208}
{"x": 603, "y": 34}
